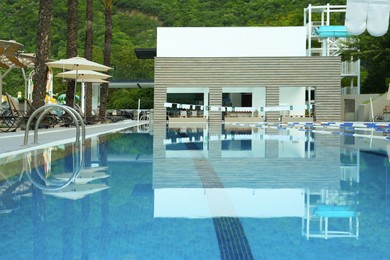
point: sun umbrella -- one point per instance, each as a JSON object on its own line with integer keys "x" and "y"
{"x": 93, "y": 80}
{"x": 77, "y": 63}
{"x": 10, "y": 58}
{"x": 83, "y": 75}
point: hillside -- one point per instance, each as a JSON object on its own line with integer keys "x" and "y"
{"x": 135, "y": 23}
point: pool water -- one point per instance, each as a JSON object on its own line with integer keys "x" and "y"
{"x": 200, "y": 192}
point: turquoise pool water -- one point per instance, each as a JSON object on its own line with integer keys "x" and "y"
{"x": 200, "y": 192}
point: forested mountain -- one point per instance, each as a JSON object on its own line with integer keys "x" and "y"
{"x": 135, "y": 23}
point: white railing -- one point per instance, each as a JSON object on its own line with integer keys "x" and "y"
{"x": 349, "y": 91}
{"x": 350, "y": 68}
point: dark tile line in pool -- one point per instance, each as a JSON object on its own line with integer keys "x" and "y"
{"x": 232, "y": 241}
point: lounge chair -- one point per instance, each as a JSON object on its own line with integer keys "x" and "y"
{"x": 12, "y": 116}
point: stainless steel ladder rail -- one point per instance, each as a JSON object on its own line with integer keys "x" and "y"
{"x": 51, "y": 185}
{"x": 77, "y": 119}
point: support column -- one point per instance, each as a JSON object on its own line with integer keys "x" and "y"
{"x": 160, "y": 97}
{"x": 272, "y": 100}
{"x": 215, "y": 99}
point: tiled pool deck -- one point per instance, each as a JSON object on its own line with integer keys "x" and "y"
{"x": 12, "y": 143}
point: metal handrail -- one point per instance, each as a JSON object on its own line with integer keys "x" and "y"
{"x": 50, "y": 185}
{"x": 77, "y": 119}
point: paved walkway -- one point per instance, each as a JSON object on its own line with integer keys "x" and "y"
{"x": 12, "y": 143}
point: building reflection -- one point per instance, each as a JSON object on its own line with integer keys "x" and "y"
{"x": 256, "y": 172}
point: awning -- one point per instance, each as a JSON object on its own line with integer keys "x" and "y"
{"x": 146, "y": 53}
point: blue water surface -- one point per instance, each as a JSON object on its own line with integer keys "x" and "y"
{"x": 194, "y": 192}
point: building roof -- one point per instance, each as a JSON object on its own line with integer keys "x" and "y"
{"x": 132, "y": 83}
{"x": 146, "y": 53}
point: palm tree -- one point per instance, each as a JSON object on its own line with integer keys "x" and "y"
{"x": 88, "y": 55}
{"x": 42, "y": 51}
{"x": 106, "y": 55}
{"x": 71, "y": 48}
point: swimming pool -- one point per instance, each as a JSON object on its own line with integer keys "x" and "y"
{"x": 201, "y": 192}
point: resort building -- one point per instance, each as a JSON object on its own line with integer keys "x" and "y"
{"x": 244, "y": 74}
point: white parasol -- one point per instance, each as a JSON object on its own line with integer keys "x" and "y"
{"x": 82, "y": 75}
{"x": 10, "y": 57}
{"x": 77, "y": 64}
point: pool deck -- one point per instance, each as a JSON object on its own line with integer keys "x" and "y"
{"x": 12, "y": 143}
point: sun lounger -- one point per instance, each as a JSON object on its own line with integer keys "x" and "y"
{"x": 14, "y": 117}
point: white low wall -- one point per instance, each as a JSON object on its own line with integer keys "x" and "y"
{"x": 231, "y": 41}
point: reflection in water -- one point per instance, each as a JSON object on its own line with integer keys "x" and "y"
{"x": 258, "y": 193}
{"x": 228, "y": 202}
{"x": 331, "y": 214}
{"x": 258, "y": 173}
{"x": 42, "y": 174}
{"x": 39, "y": 227}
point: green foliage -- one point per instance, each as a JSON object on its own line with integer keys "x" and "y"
{"x": 374, "y": 53}
{"x": 129, "y": 144}
{"x": 135, "y": 23}
{"x": 128, "y": 98}
{"x": 131, "y": 29}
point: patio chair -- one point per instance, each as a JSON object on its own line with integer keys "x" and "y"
{"x": 194, "y": 113}
{"x": 183, "y": 113}
{"x": 12, "y": 116}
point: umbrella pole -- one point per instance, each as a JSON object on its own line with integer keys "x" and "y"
{"x": 83, "y": 98}
{"x": 75, "y": 86}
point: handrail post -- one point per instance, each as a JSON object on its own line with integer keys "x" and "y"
{"x": 77, "y": 119}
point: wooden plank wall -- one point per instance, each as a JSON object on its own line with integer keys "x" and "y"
{"x": 323, "y": 73}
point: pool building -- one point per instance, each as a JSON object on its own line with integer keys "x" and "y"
{"x": 243, "y": 74}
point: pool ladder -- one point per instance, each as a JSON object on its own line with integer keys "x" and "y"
{"x": 77, "y": 120}
{"x": 78, "y": 164}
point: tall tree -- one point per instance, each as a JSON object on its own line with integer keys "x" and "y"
{"x": 88, "y": 55}
{"x": 71, "y": 47}
{"x": 106, "y": 55}
{"x": 42, "y": 51}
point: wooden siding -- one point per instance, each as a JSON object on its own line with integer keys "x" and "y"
{"x": 215, "y": 99}
{"x": 323, "y": 73}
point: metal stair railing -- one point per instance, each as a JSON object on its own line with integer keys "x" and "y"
{"x": 76, "y": 117}
{"x": 50, "y": 185}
